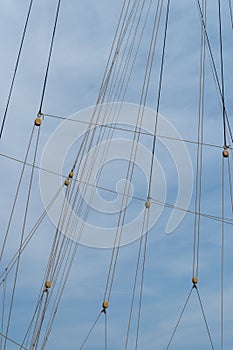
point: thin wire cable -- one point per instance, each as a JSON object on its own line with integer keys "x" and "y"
{"x": 159, "y": 96}
{"x": 205, "y": 319}
{"x": 179, "y": 319}
{"x": 153, "y": 200}
{"x": 138, "y": 131}
{"x": 55, "y": 261}
{"x": 215, "y": 73}
{"x": 199, "y": 155}
{"x": 130, "y": 171}
{"x": 3, "y": 309}
{"x": 38, "y": 306}
{"x": 13, "y": 341}
{"x": 134, "y": 286}
{"x": 142, "y": 277}
{"x": 230, "y": 183}
{"x": 49, "y": 57}
{"x": 22, "y": 238}
{"x": 38, "y": 326}
{"x": 64, "y": 279}
{"x": 15, "y": 69}
{"x": 106, "y": 331}
{"x": 13, "y": 260}
{"x": 231, "y": 12}
{"x": 222, "y": 258}
{"x": 222, "y": 72}
{"x": 90, "y": 331}
{"x": 16, "y": 195}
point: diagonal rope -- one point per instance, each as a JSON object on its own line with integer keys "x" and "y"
{"x": 159, "y": 97}
{"x": 16, "y": 195}
{"x": 90, "y": 331}
{"x": 49, "y": 57}
{"x": 28, "y": 238}
{"x": 142, "y": 277}
{"x": 204, "y": 317}
{"x": 13, "y": 341}
{"x": 231, "y": 12}
{"x": 214, "y": 69}
{"x": 15, "y": 69}
{"x": 134, "y": 286}
{"x": 222, "y": 72}
{"x": 22, "y": 237}
{"x": 179, "y": 319}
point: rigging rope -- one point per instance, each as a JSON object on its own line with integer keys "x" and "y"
{"x": 199, "y": 156}
{"x": 231, "y": 12}
{"x": 215, "y": 73}
{"x": 222, "y": 72}
{"x": 13, "y": 260}
{"x": 3, "y": 309}
{"x": 15, "y": 69}
{"x": 130, "y": 171}
{"x": 222, "y": 257}
{"x": 159, "y": 96}
{"x": 121, "y": 128}
{"x": 106, "y": 331}
{"x": 90, "y": 331}
{"x": 230, "y": 183}
{"x": 194, "y": 287}
{"x": 134, "y": 289}
{"x": 142, "y": 277}
{"x": 22, "y": 238}
{"x": 153, "y": 200}
{"x": 179, "y": 319}
{"x": 12, "y": 341}
{"x": 16, "y": 195}
{"x": 49, "y": 58}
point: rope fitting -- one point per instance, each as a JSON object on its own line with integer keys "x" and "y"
{"x": 38, "y": 121}
{"x": 225, "y": 152}
{"x": 194, "y": 280}
{"x": 147, "y": 204}
{"x": 71, "y": 174}
{"x": 105, "y": 305}
{"x": 48, "y": 284}
{"x": 67, "y": 182}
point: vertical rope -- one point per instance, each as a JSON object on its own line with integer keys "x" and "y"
{"x": 159, "y": 96}
{"x": 222, "y": 260}
{"x": 222, "y": 72}
{"x": 199, "y": 156}
{"x": 106, "y": 331}
{"x": 231, "y": 12}
{"x": 3, "y": 308}
{"x": 142, "y": 278}
{"x": 230, "y": 183}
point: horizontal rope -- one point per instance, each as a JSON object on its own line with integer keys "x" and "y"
{"x": 133, "y": 131}
{"x": 227, "y": 220}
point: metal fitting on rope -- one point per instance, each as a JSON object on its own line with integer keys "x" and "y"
{"x": 147, "y": 204}
{"x": 48, "y": 284}
{"x": 194, "y": 280}
{"x": 38, "y": 121}
{"x": 105, "y": 305}
{"x": 225, "y": 152}
{"x": 71, "y": 174}
{"x": 67, "y": 182}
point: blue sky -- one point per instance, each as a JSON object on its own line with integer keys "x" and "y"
{"x": 83, "y": 39}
